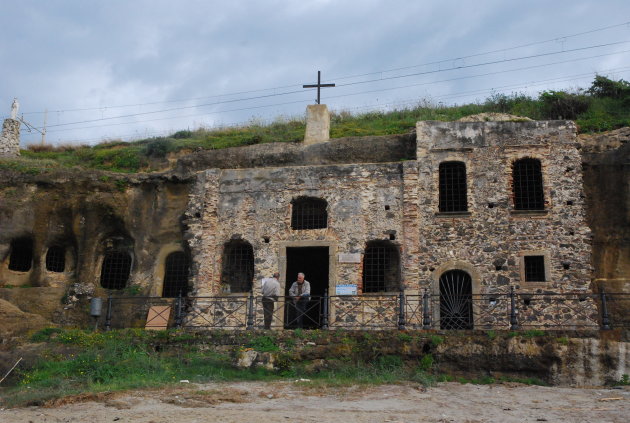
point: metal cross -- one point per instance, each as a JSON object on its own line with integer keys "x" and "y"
{"x": 318, "y": 85}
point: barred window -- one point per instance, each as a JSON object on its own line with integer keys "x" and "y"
{"x": 56, "y": 259}
{"x": 527, "y": 185}
{"x": 534, "y": 268}
{"x": 115, "y": 270}
{"x": 309, "y": 213}
{"x": 176, "y": 270}
{"x": 238, "y": 266}
{"x": 21, "y": 255}
{"x": 381, "y": 272}
{"x": 453, "y": 190}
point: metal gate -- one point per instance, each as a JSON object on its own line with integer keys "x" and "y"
{"x": 456, "y": 310}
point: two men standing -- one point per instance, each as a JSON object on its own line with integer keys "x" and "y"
{"x": 300, "y": 293}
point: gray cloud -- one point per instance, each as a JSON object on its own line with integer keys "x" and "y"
{"x": 63, "y": 55}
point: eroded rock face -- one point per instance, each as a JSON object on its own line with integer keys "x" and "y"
{"x": 16, "y": 322}
{"x": 87, "y": 215}
{"x": 606, "y": 160}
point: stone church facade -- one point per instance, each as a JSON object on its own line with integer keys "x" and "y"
{"x": 462, "y": 211}
{"x": 489, "y": 205}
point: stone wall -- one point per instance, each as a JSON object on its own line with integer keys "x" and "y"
{"x": 255, "y": 204}
{"x": 489, "y": 240}
{"x": 399, "y": 202}
{"x": 10, "y": 138}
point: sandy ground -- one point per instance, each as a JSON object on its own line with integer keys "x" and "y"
{"x": 299, "y": 402}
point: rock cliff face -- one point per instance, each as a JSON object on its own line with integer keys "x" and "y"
{"x": 89, "y": 213}
{"x": 606, "y": 162}
{"x": 86, "y": 214}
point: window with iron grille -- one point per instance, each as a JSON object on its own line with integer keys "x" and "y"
{"x": 527, "y": 185}
{"x": 115, "y": 270}
{"x": 21, "y": 255}
{"x": 309, "y": 213}
{"x": 453, "y": 195}
{"x": 56, "y": 259}
{"x": 176, "y": 269}
{"x": 381, "y": 264}
{"x": 534, "y": 268}
{"x": 456, "y": 311}
{"x": 238, "y": 266}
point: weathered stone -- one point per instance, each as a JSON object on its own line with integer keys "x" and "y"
{"x": 317, "y": 124}
{"x": 246, "y": 358}
{"x": 10, "y": 138}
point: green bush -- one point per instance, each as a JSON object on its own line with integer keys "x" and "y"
{"x": 159, "y": 147}
{"x": 563, "y": 105}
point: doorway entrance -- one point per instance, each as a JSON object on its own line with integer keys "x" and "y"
{"x": 313, "y": 262}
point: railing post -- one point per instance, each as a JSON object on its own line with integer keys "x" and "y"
{"x": 513, "y": 311}
{"x": 178, "y": 311}
{"x": 325, "y": 310}
{"x": 605, "y": 316}
{"x": 250, "y": 311}
{"x": 108, "y": 316}
{"x": 401, "y": 311}
{"x": 426, "y": 312}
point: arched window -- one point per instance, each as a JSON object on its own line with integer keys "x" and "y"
{"x": 309, "y": 213}
{"x": 453, "y": 190}
{"x": 115, "y": 270}
{"x": 238, "y": 266}
{"x": 56, "y": 259}
{"x": 176, "y": 269}
{"x": 456, "y": 311}
{"x": 527, "y": 185}
{"x": 381, "y": 267}
{"x": 21, "y": 255}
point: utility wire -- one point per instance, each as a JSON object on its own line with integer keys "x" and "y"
{"x": 369, "y": 107}
{"x": 339, "y": 85}
{"x": 344, "y": 77}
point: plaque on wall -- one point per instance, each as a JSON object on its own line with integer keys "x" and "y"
{"x": 346, "y": 289}
{"x": 349, "y": 258}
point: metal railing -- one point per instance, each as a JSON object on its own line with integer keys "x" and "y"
{"x": 510, "y": 310}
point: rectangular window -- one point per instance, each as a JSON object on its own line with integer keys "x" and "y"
{"x": 527, "y": 185}
{"x": 453, "y": 195}
{"x": 534, "y": 267}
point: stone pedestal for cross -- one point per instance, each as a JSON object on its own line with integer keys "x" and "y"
{"x": 317, "y": 124}
{"x": 10, "y": 138}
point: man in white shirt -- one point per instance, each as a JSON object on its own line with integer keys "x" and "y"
{"x": 270, "y": 294}
{"x": 301, "y": 293}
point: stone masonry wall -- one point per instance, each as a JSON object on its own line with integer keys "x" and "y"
{"x": 490, "y": 239}
{"x": 10, "y": 138}
{"x": 399, "y": 201}
{"x": 253, "y": 204}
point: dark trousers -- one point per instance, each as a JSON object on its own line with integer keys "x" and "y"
{"x": 300, "y": 309}
{"x": 268, "y": 306}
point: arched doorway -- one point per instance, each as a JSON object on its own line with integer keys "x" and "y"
{"x": 456, "y": 309}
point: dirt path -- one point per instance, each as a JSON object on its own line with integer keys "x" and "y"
{"x": 291, "y": 402}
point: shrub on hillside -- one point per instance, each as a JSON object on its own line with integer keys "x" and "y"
{"x": 159, "y": 147}
{"x": 563, "y": 105}
{"x": 603, "y": 87}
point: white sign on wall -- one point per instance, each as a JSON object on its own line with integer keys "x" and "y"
{"x": 349, "y": 258}
{"x": 346, "y": 289}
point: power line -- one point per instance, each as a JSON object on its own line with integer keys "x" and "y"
{"x": 483, "y": 64}
{"x": 373, "y": 107}
{"x": 333, "y": 96}
{"x": 347, "y": 84}
{"x": 348, "y": 76}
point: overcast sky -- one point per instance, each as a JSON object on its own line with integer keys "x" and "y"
{"x": 138, "y": 68}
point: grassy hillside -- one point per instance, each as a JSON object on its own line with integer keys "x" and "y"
{"x": 602, "y": 107}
